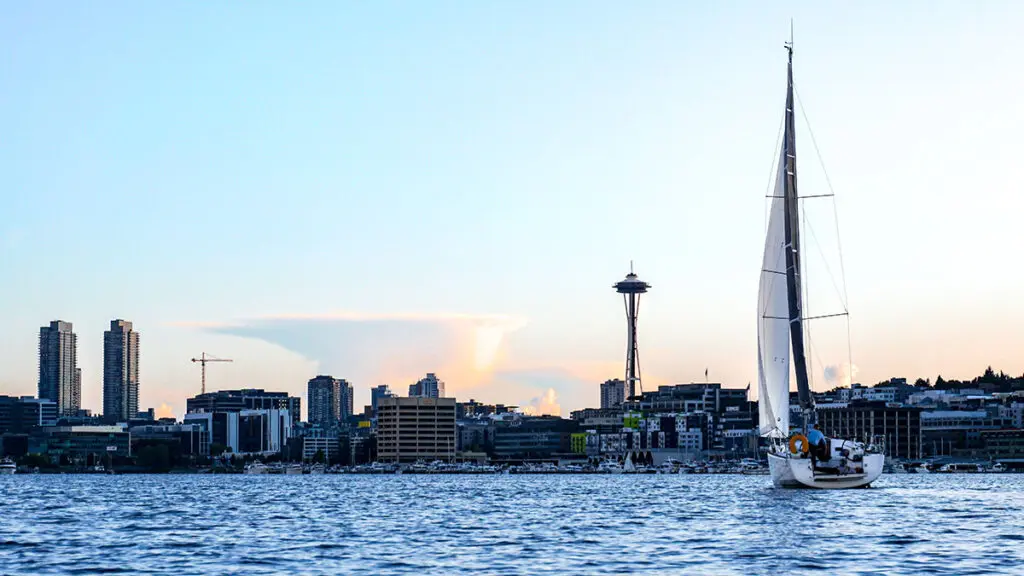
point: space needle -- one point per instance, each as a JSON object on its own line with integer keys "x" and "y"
{"x": 631, "y": 288}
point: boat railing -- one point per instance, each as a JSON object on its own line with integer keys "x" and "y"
{"x": 876, "y": 445}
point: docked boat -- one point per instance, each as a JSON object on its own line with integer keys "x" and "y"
{"x": 793, "y": 462}
{"x": 7, "y": 466}
{"x": 256, "y": 468}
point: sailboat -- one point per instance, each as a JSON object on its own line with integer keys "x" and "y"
{"x": 792, "y": 461}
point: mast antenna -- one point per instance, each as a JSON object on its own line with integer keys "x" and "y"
{"x": 789, "y": 45}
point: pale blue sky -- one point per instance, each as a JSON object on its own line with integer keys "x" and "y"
{"x": 220, "y": 162}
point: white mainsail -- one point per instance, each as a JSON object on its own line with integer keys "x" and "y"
{"x": 772, "y": 327}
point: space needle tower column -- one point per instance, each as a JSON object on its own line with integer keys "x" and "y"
{"x": 631, "y": 288}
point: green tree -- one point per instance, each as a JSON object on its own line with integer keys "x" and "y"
{"x": 217, "y": 449}
{"x": 319, "y": 458}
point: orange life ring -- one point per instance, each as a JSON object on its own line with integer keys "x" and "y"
{"x": 804, "y": 446}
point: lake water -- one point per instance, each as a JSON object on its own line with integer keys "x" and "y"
{"x": 199, "y": 524}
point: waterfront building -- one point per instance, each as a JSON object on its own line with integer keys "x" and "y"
{"x": 600, "y": 420}
{"x": 260, "y": 431}
{"x": 958, "y": 432}
{"x": 612, "y": 393}
{"x": 532, "y": 437}
{"x": 1013, "y": 414}
{"x": 427, "y": 387}
{"x": 324, "y": 441}
{"x": 60, "y": 379}
{"x": 682, "y": 436}
{"x": 181, "y": 439}
{"x": 120, "y": 372}
{"x": 26, "y": 414}
{"x": 245, "y": 399}
{"x": 1005, "y": 446}
{"x": 82, "y": 443}
{"x": 475, "y": 435}
{"x": 725, "y": 415}
{"x": 863, "y": 420}
{"x": 417, "y": 428}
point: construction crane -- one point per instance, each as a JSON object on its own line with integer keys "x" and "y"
{"x": 203, "y": 359}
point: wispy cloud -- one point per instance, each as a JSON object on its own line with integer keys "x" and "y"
{"x": 393, "y": 348}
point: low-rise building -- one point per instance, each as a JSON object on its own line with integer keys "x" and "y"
{"x": 958, "y": 432}
{"x": 245, "y": 431}
{"x": 82, "y": 442}
{"x": 22, "y": 415}
{"x": 184, "y": 439}
{"x": 1003, "y": 445}
{"x": 530, "y": 437}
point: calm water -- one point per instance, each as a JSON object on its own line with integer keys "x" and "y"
{"x": 949, "y": 524}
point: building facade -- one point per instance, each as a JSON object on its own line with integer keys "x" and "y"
{"x": 81, "y": 442}
{"x": 1002, "y": 445}
{"x": 60, "y": 379}
{"x": 864, "y": 420}
{"x": 26, "y": 414}
{"x": 245, "y": 399}
{"x": 324, "y": 396}
{"x": 186, "y": 439}
{"x": 533, "y": 437}
{"x": 419, "y": 428}
{"x": 612, "y": 393}
{"x": 959, "y": 432}
{"x": 263, "y": 431}
{"x": 120, "y": 372}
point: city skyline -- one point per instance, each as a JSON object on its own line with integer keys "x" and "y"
{"x": 361, "y": 199}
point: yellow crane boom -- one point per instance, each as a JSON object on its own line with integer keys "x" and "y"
{"x": 203, "y": 359}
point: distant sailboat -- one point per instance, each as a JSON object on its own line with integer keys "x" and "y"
{"x": 780, "y": 332}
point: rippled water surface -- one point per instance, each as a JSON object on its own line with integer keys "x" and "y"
{"x": 939, "y": 524}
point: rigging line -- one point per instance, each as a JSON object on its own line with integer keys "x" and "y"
{"x": 816, "y": 355}
{"x": 807, "y": 301}
{"x": 771, "y": 169}
{"x": 817, "y": 244}
{"x": 807, "y": 318}
{"x": 828, "y": 181}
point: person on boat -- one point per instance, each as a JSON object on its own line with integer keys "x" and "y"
{"x": 817, "y": 444}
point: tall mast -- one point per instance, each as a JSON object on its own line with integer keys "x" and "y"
{"x": 792, "y": 229}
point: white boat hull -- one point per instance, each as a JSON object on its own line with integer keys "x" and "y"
{"x": 790, "y": 472}
{"x": 7, "y": 470}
